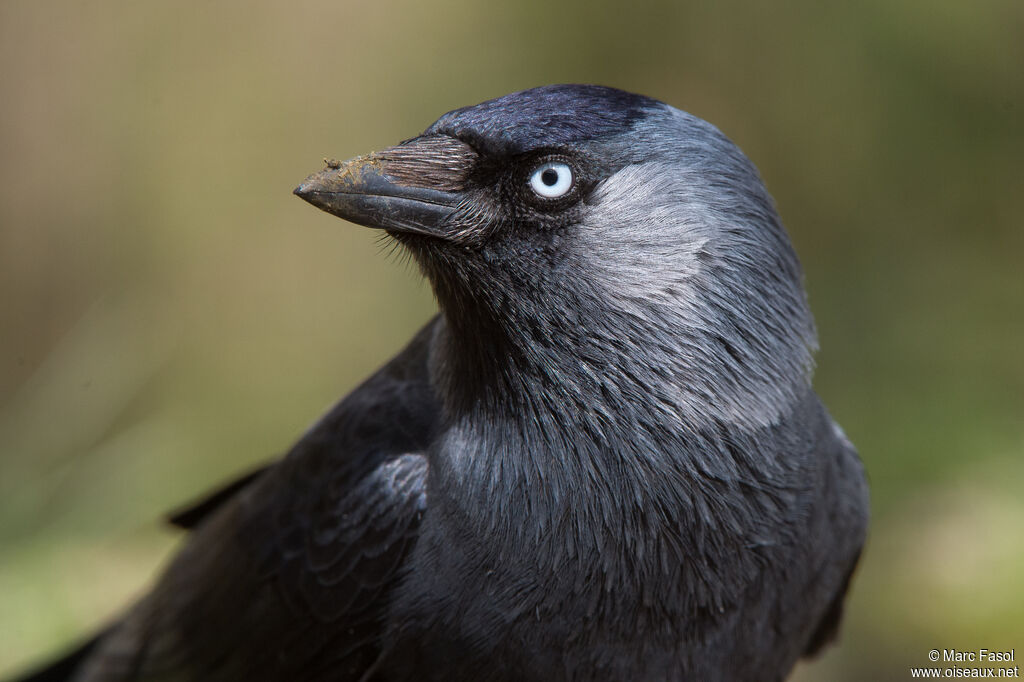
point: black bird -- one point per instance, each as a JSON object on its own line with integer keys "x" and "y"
{"x": 603, "y": 459}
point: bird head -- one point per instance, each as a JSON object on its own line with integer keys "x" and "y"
{"x": 587, "y": 240}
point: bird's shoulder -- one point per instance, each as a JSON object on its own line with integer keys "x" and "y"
{"x": 294, "y": 563}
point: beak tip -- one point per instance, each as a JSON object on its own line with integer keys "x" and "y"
{"x": 308, "y": 192}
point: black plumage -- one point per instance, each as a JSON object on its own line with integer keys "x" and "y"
{"x": 603, "y": 459}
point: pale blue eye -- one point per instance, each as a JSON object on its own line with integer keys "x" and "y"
{"x": 552, "y": 179}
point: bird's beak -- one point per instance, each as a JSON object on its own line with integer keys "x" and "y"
{"x": 412, "y": 187}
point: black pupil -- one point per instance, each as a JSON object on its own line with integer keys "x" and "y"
{"x": 549, "y": 177}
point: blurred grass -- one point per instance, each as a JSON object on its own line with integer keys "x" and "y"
{"x": 171, "y": 314}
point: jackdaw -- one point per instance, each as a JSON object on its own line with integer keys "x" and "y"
{"x": 602, "y": 460}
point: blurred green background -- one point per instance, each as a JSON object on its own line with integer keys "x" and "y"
{"x": 171, "y": 315}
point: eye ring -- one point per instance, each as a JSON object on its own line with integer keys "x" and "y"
{"x": 552, "y": 180}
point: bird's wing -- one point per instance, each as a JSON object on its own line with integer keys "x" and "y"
{"x": 288, "y": 576}
{"x": 847, "y": 488}
{"x": 190, "y": 516}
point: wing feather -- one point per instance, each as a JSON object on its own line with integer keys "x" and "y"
{"x": 288, "y": 574}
